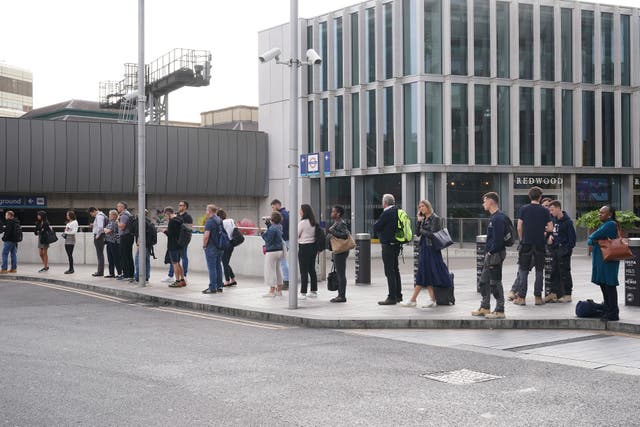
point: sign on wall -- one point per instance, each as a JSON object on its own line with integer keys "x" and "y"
{"x": 23, "y": 201}
{"x": 526, "y": 181}
{"x": 310, "y": 163}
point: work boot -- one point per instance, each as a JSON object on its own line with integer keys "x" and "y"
{"x": 285, "y": 285}
{"x": 4, "y": 271}
{"x": 495, "y": 315}
{"x": 564, "y": 299}
{"x": 481, "y": 312}
{"x": 539, "y": 301}
{"x": 520, "y": 301}
{"x": 511, "y": 296}
{"x": 552, "y": 297}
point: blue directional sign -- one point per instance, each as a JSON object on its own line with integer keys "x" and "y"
{"x": 23, "y": 201}
{"x": 311, "y": 163}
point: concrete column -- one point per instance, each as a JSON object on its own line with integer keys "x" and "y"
{"x": 557, "y": 110}
{"x": 471, "y": 135}
{"x": 422, "y": 137}
{"x": 514, "y": 45}
{"x": 514, "y": 100}
{"x": 494, "y": 122}
{"x": 446, "y": 121}
{"x": 379, "y": 128}
{"x": 470, "y": 39}
{"x": 557, "y": 43}
{"x": 598, "y": 125}
{"x": 398, "y": 124}
{"x": 577, "y": 49}
{"x": 331, "y": 130}
{"x": 346, "y": 49}
{"x": 446, "y": 40}
{"x": 597, "y": 55}
{"x": 398, "y": 66}
{"x": 440, "y": 196}
{"x": 419, "y": 20}
{"x": 362, "y": 20}
{"x": 577, "y": 126}
{"x": 347, "y": 103}
{"x": 379, "y": 41}
{"x": 536, "y": 44}
{"x": 357, "y": 205}
{"x": 331, "y": 80}
{"x": 316, "y": 118}
{"x": 493, "y": 50}
{"x": 537, "y": 124}
{"x": 617, "y": 70}
{"x": 363, "y": 130}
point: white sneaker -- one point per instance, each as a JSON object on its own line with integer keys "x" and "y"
{"x": 269, "y": 295}
{"x": 167, "y": 279}
{"x": 312, "y": 294}
{"x": 302, "y": 297}
{"x": 432, "y": 305}
{"x": 408, "y": 304}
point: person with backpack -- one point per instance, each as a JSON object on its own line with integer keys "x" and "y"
{"x": 45, "y": 238}
{"x": 69, "y": 236}
{"x": 112, "y": 239}
{"x": 229, "y": 225}
{"x": 561, "y": 243}
{"x": 126, "y": 225}
{"x": 307, "y": 251}
{"x": 491, "y": 276}
{"x": 151, "y": 238}
{"x": 187, "y": 219}
{"x": 174, "y": 250}
{"x": 12, "y": 235}
{"x": 386, "y": 227}
{"x": 276, "y": 206}
{"x": 211, "y": 243}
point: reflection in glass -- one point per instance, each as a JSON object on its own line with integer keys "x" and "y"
{"x": 459, "y": 37}
{"x": 409, "y": 33}
{"x": 504, "y": 126}
{"x": 433, "y": 122}
{"x": 525, "y": 22}
{"x": 432, "y": 37}
{"x": 502, "y": 34}
{"x": 482, "y": 113}
{"x": 481, "y": 38}
{"x": 370, "y": 45}
{"x": 337, "y": 53}
{"x": 567, "y": 127}
{"x": 339, "y": 133}
{"x": 547, "y": 127}
{"x": 608, "y": 130}
{"x": 606, "y": 47}
{"x": 370, "y": 117}
{"x": 625, "y": 51}
{"x": 588, "y": 129}
{"x": 324, "y": 119}
{"x": 459, "y": 124}
{"x": 387, "y": 125}
{"x": 387, "y": 41}
{"x": 566, "y": 36}
{"x": 526, "y": 126}
{"x": 587, "y": 46}
{"x": 546, "y": 43}
{"x": 355, "y": 130}
{"x": 410, "y": 123}
{"x": 355, "y": 61}
{"x": 626, "y": 129}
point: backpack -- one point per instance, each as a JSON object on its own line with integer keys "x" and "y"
{"x": 404, "y": 233}
{"x": 133, "y": 224}
{"x": 220, "y": 237}
{"x": 18, "y": 233}
{"x": 184, "y": 238}
{"x": 321, "y": 239}
{"x": 236, "y": 237}
{"x": 589, "y": 308}
{"x": 151, "y": 234}
{"x": 509, "y": 232}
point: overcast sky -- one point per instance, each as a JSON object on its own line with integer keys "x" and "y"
{"x": 72, "y": 45}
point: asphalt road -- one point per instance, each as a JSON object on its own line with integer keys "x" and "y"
{"x": 69, "y": 357}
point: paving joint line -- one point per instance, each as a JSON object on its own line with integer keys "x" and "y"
{"x": 557, "y": 342}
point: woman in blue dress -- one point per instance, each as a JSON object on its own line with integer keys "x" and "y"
{"x": 432, "y": 271}
{"x": 605, "y": 274}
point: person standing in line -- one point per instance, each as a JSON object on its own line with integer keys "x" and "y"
{"x": 187, "y": 219}
{"x": 386, "y": 228}
{"x": 70, "y": 230}
{"x": 561, "y": 243}
{"x": 43, "y": 230}
{"x": 491, "y": 276}
{"x": 126, "y": 241}
{"x": 228, "y": 224}
{"x": 10, "y": 228}
{"x": 99, "y": 222}
{"x": 339, "y": 230}
{"x": 148, "y": 226}
{"x": 274, "y": 251}
{"x": 307, "y": 252}
{"x": 533, "y": 222}
{"x": 605, "y": 273}
{"x": 432, "y": 271}
{"x": 212, "y": 227}
{"x": 276, "y": 206}
{"x": 112, "y": 239}
{"x": 173, "y": 247}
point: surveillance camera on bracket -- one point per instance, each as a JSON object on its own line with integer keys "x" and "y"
{"x": 270, "y": 55}
{"x": 313, "y": 58}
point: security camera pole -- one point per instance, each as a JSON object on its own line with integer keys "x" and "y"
{"x": 293, "y": 155}
{"x": 142, "y": 272}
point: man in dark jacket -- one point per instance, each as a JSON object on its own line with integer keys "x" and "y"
{"x": 173, "y": 247}
{"x": 561, "y": 241}
{"x": 276, "y": 206}
{"x": 386, "y": 228}
{"x": 10, "y": 238}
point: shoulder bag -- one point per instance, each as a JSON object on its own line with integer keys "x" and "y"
{"x": 339, "y": 246}
{"x": 332, "y": 279}
{"x": 441, "y": 239}
{"x": 615, "y": 249}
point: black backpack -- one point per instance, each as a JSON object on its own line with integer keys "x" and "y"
{"x": 321, "y": 239}
{"x": 151, "y": 234}
{"x": 133, "y": 224}
{"x": 509, "y": 232}
{"x": 18, "y": 233}
{"x": 184, "y": 238}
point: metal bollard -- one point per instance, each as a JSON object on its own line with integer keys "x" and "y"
{"x": 632, "y": 274}
{"x": 548, "y": 269}
{"x": 416, "y": 258}
{"x": 481, "y": 250}
{"x": 363, "y": 258}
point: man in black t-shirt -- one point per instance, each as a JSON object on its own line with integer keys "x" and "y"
{"x": 533, "y": 221}
{"x": 183, "y": 205}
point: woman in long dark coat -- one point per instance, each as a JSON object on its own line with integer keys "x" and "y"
{"x": 605, "y": 274}
{"x": 432, "y": 271}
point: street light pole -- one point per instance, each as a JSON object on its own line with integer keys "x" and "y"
{"x": 293, "y": 157}
{"x": 142, "y": 226}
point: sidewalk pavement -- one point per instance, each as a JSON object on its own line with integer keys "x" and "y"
{"x": 361, "y": 309}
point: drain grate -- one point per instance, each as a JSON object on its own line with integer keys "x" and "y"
{"x": 460, "y": 377}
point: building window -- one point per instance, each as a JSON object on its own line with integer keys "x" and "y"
{"x": 323, "y": 54}
{"x": 625, "y": 50}
{"x": 433, "y": 122}
{"x": 459, "y": 37}
{"x": 482, "y": 113}
{"x": 370, "y": 45}
{"x": 410, "y": 123}
{"x": 310, "y": 126}
{"x": 337, "y": 53}
{"x": 309, "y": 69}
{"x": 481, "y": 38}
{"x": 370, "y": 117}
{"x": 608, "y": 130}
{"x": 355, "y": 50}
{"x": 606, "y": 47}
{"x": 626, "y": 129}
{"x": 504, "y": 126}
{"x": 409, "y": 33}
{"x": 324, "y": 119}
{"x": 526, "y": 126}
{"x": 355, "y": 130}
{"x": 588, "y": 129}
{"x": 567, "y": 127}
{"x": 566, "y": 37}
{"x": 387, "y": 125}
{"x": 432, "y": 37}
{"x": 459, "y": 124}
{"x": 547, "y": 127}
{"x": 546, "y": 43}
{"x": 587, "y": 47}
{"x": 525, "y": 22}
{"x": 387, "y": 41}
{"x": 339, "y": 133}
{"x": 502, "y": 34}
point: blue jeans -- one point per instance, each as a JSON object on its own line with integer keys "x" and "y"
{"x": 10, "y": 248}
{"x": 284, "y": 265}
{"x": 214, "y": 265}
{"x": 185, "y": 263}
{"x": 137, "y": 266}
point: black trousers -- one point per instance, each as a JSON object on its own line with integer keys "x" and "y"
{"x": 126, "y": 255}
{"x": 69, "y": 250}
{"x": 226, "y": 257}
{"x": 307, "y": 261}
{"x": 340, "y": 261}
{"x": 99, "y": 244}
{"x": 390, "y": 254}
{"x": 113, "y": 256}
{"x": 561, "y": 281}
{"x": 610, "y": 296}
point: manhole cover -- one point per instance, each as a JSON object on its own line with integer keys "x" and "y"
{"x": 460, "y": 377}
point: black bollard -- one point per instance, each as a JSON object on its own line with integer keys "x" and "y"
{"x": 363, "y": 259}
{"x": 632, "y": 274}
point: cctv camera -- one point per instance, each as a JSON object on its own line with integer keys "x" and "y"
{"x": 313, "y": 57}
{"x": 270, "y": 54}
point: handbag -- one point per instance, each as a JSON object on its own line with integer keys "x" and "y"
{"x": 236, "y": 237}
{"x": 615, "y": 249}
{"x": 441, "y": 239}
{"x": 339, "y": 246}
{"x": 332, "y": 279}
{"x": 50, "y": 237}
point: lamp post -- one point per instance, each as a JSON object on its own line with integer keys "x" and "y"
{"x": 142, "y": 225}
{"x": 293, "y": 63}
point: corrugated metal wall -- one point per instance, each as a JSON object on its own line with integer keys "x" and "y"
{"x": 39, "y": 156}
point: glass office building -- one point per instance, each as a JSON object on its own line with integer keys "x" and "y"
{"x": 16, "y": 91}
{"x": 449, "y": 99}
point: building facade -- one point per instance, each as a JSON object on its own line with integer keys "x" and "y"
{"x": 16, "y": 91}
{"x": 448, "y": 99}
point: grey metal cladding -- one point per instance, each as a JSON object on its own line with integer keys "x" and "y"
{"x": 223, "y": 167}
{"x": 84, "y": 157}
{"x": 116, "y": 165}
{"x": 95, "y": 159}
{"x": 37, "y": 155}
{"x": 203, "y": 162}
{"x": 3, "y": 152}
{"x": 106, "y": 156}
{"x": 49, "y": 155}
{"x": 24, "y": 157}
{"x": 60, "y": 163}
{"x": 129, "y": 149}
{"x": 172, "y": 158}
{"x": 237, "y": 173}
{"x": 261, "y": 184}
{"x": 213, "y": 169}
{"x": 11, "y": 167}
{"x": 192, "y": 151}
{"x": 160, "y": 168}
{"x": 182, "y": 164}
{"x": 151, "y": 136}
{"x": 72, "y": 157}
